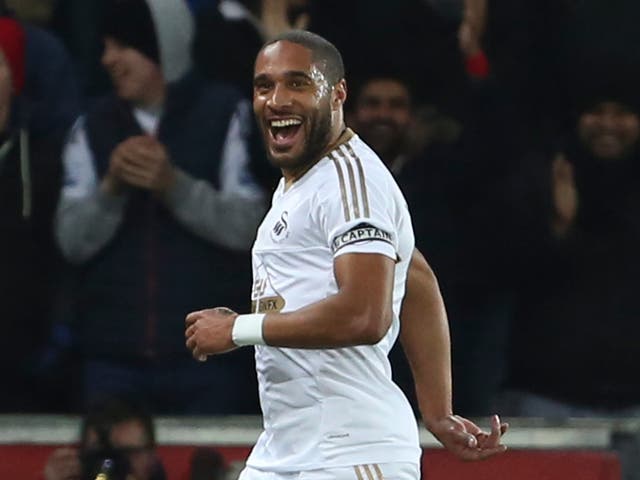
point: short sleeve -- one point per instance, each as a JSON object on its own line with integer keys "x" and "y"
{"x": 356, "y": 210}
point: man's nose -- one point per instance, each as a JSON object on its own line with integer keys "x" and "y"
{"x": 608, "y": 121}
{"x": 280, "y": 96}
{"x": 382, "y": 112}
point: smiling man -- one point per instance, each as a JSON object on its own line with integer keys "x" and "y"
{"x": 330, "y": 265}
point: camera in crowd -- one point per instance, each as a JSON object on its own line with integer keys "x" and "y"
{"x": 105, "y": 464}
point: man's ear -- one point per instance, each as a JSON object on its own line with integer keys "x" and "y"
{"x": 339, "y": 94}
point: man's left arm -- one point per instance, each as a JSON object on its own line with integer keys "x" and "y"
{"x": 424, "y": 335}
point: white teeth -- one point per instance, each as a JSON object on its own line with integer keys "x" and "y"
{"x": 285, "y": 123}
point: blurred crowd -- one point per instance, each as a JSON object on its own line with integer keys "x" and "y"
{"x": 132, "y": 180}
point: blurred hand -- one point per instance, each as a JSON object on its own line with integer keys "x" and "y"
{"x": 140, "y": 161}
{"x": 63, "y": 464}
{"x": 565, "y": 194}
{"x": 469, "y": 40}
{"x": 209, "y": 332}
{"x": 472, "y": 27}
{"x": 275, "y": 18}
{"x": 466, "y": 440}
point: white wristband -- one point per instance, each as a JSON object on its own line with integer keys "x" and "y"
{"x": 247, "y": 329}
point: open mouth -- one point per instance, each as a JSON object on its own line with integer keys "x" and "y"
{"x": 284, "y": 132}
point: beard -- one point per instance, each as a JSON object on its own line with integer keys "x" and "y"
{"x": 315, "y": 143}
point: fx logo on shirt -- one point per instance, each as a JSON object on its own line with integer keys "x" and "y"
{"x": 280, "y": 230}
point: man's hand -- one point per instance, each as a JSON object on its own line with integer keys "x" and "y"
{"x": 275, "y": 18}
{"x": 63, "y": 464}
{"x": 208, "y": 332}
{"x": 466, "y": 440}
{"x": 472, "y": 27}
{"x": 140, "y": 161}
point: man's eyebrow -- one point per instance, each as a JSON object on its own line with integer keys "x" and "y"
{"x": 297, "y": 73}
{"x": 262, "y": 77}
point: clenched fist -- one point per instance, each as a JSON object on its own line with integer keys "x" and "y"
{"x": 209, "y": 332}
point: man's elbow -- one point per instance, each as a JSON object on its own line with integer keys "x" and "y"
{"x": 372, "y": 328}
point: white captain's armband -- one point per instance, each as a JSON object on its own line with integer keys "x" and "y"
{"x": 247, "y": 330}
{"x": 363, "y": 232}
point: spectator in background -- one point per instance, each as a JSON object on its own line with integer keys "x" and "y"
{"x": 207, "y": 464}
{"x": 157, "y": 201}
{"x": 30, "y": 178}
{"x": 51, "y": 97}
{"x": 452, "y": 175}
{"x": 383, "y": 117}
{"x": 116, "y": 430}
{"x": 574, "y": 346}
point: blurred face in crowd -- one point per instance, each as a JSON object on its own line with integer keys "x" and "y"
{"x": 294, "y": 104}
{"x": 130, "y": 438}
{"x": 382, "y": 116}
{"x": 135, "y": 77}
{"x": 5, "y": 91}
{"x": 610, "y": 130}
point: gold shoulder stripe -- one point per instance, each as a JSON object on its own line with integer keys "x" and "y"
{"x": 343, "y": 189}
{"x": 352, "y": 183}
{"x": 376, "y": 467}
{"x": 358, "y": 474}
{"x": 363, "y": 185}
{"x": 368, "y": 472}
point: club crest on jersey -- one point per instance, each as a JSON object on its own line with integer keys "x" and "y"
{"x": 280, "y": 230}
{"x": 363, "y": 232}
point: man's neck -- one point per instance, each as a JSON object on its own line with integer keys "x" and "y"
{"x": 339, "y": 136}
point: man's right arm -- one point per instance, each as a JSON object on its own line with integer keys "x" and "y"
{"x": 88, "y": 215}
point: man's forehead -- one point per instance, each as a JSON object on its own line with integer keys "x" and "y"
{"x": 386, "y": 86}
{"x": 284, "y": 56}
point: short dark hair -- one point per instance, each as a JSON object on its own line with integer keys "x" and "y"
{"x": 362, "y": 81}
{"x": 322, "y": 51}
{"x": 106, "y": 413}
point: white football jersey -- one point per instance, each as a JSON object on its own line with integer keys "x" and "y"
{"x": 326, "y": 408}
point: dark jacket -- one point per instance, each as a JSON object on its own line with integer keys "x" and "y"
{"x": 30, "y": 174}
{"x": 576, "y": 333}
{"x": 138, "y": 289}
